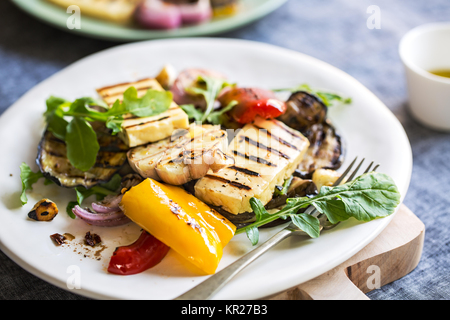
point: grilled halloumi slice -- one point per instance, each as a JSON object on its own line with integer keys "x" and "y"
{"x": 120, "y": 11}
{"x": 187, "y": 155}
{"x": 266, "y": 153}
{"x": 140, "y": 131}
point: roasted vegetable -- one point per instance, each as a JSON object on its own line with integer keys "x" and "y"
{"x": 303, "y": 111}
{"x": 170, "y": 14}
{"x": 54, "y": 164}
{"x": 325, "y": 177}
{"x": 224, "y": 7}
{"x": 308, "y": 114}
{"x": 92, "y": 239}
{"x": 252, "y": 102}
{"x": 326, "y": 150}
{"x": 157, "y": 14}
{"x": 298, "y": 188}
{"x": 179, "y": 220}
{"x": 44, "y": 210}
{"x": 188, "y": 79}
{"x": 166, "y": 76}
{"x": 142, "y": 255}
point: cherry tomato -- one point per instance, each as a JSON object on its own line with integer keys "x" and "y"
{"x": 144, "y": 254}
{"x": 252, "y": 102}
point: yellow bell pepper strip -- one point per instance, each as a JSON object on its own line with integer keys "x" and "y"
{"x": 180, "y": 220}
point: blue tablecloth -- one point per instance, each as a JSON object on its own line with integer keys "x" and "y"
{"x": 334, "y": 31}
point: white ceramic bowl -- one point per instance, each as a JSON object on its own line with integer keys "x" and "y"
{"x": 424, "y": 49}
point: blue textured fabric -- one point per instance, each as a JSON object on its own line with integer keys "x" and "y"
{"x": 333, "y": 31}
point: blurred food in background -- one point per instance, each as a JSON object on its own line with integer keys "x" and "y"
{"x": 154, "y": 14}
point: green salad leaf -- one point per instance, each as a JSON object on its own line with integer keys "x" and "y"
{"x": 100, "y": 191}
{"x": 328, "y": 98}
{"x": 209, "y": 88}
{"x": 192, "y": 112}
{"x": 368, "y": 197}
{"x": 82, "y": 144}
{"x": 28, "y": 178}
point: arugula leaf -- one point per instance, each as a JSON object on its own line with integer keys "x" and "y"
{"x": 261, "y": 214}
{"x": 69, "y": 208}
{"x": 55, "y": 117}
{"x": 82, "y": 144}
{"x": 307, "y": 223}
{"x": 216, "y": 116}
{"x": 192, "y": 112}
{"x": 153, "y": 103}
{"x": 285, "y": 187}
{"x": 329, "y": 99}
{"x": 368, "y": 197}
{"x": 53, "y": 104}
{"x": 100, "y": 191}
{"x": 113, "y": 184}
{"x": 28, "y": 178}
{"x": 213, "y": 86}
{"x": 115, "y": 124}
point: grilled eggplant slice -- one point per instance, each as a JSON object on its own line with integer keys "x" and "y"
{"x": 308, "y": 114}
{"x": 326, "y": 150}
{"x": 54, "y": 164}
{"x": 303, "y": 111}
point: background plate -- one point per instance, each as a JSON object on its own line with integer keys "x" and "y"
{"x": 369, "y": 128}
{"x": 251, "y": 10}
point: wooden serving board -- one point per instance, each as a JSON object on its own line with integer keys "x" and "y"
{"x": 390, "y": 256}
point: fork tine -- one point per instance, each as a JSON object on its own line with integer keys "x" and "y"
{"x": 376, "y": 167}
{"x": 345, "y": 173}
{"x": 356, "y": 170}
{"x": 368, "y": 168}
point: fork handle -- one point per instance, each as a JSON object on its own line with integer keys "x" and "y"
{"x": 213, "y": 284}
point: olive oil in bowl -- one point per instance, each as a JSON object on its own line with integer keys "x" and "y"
{"x": 441, "y": 72}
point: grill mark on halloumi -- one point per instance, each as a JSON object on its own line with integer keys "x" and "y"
{"x": 245, "y": 171}
{"x": 273, "y": 169}
{"x": 231, "y": 183}
{"x": 280, "y": 125}
{"x": 270, "y": 134}
{"x": 264, "y": 147}
{"x": 254, "y": 158}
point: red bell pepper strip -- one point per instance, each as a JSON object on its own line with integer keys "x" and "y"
{"x": 142, "y": 255}
{"x": 252, "y": 102}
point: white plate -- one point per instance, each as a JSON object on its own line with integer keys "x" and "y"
{"x": 370, "y": 129}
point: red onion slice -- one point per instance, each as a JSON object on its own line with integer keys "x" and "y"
{"x": 156, "y": 14}
{"x": 108, "y": 205}
{"x": 111, "y": 219}
{"x": 196, "y": 13}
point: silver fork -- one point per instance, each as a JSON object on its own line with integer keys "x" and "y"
{"x": 213, "y": 284}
